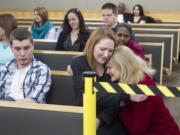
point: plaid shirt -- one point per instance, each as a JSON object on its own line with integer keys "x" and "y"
{"x": 36, "y": 83}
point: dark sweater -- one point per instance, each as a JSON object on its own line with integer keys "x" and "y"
{"x": 63, "y": 37}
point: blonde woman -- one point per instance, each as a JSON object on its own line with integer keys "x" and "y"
{"x": 147, "y": 117}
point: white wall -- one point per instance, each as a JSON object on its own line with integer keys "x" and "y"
{"x": 88, "y": 4}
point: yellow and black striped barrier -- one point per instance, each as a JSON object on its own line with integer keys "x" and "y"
{"x": 91, "y": 87}
{"x": 138, "y": 89}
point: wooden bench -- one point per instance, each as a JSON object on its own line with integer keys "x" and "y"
{"x": 44, "y": 44}
{"x": 157, "y": 51}
{"x": 174, "y": 32}
{"x": 61, "y": 91}
{"x": 20, "y": 118}
{"x": 156, "y": 25}
{"x": 168, "y": 47}
{"x": 56, "y": 60}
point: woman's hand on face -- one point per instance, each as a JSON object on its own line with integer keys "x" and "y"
{"x": 138, "y": 97}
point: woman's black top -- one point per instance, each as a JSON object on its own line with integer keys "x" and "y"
{"x": 64, "y": 42}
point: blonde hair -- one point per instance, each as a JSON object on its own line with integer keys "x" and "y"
{"x": 132, "y": 67}
{"x": 97, "y": 35}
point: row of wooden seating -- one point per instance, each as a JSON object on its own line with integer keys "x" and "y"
{"x": 61, "y": 81}
{"x": 168, "y": 47}
{"x": 58, "y": 22}
{"x": 171, "y": 46}
{"x": 56, "y": 60}
{"x": 157, "y": 60}
{"x": 44, "y": 44}
{"x": 61, "y": 91}
{"x": 21, "y": 118}
{"x": 164, "y": 29}
{"x": 174, "y": 32}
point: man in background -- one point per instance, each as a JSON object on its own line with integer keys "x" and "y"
{"x": 123, "y": 16}
{"x": 24, "y": 78}
{"x": 110, "y": 15}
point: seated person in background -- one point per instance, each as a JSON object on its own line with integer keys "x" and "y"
{"x": 138, "y": 15}
{"x": 74, "y": 34}
{"x": 7, "y": 25}
{"x": 24, "y": 78}
{"x": 149, "y": 117}
{"x": 110, "y": 15}
{"x": 124, "y": 37}
{"x": 122, "y": 15}
{"x": 42, "y": 28}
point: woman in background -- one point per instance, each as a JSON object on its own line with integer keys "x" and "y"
{"x": 74, "y": 34}
{"x": 124, "y": 35}
{"x": 42, "y": 28}
{"x": 7, "y": 25}
{"x": 149, "y": 117}
{"x": 138, "y": 15}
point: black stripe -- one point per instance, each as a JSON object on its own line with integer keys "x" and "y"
{"x": 117, "y": 88}
{"x": 156, "y": 91}
{"x": 175, "y": 91}
{"x": 99, "y": 88}
{"x": 136, "y": 89}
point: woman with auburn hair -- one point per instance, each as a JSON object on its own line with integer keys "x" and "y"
{"x": 7, "y": 25}
{"x": 74, "y": 34}
{"x": 42, "y": 28}
{"x": 149, "y": 117}
{"x": 99, "y": 48}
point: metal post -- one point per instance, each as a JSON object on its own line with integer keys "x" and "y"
{"x": 89, "y": 104}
